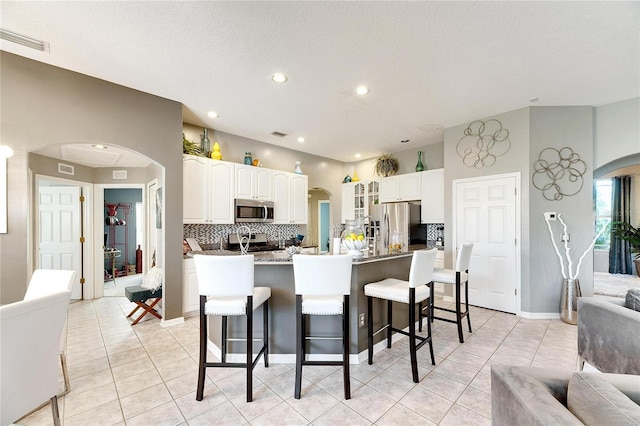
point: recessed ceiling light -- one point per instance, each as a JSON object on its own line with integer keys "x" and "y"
{"x": 301, "y": 139}
{"x": 358, "y": 155}
{"x": 98, "y": 146}
{"x": 279, "y": 77}
{"x": 5, "y": 151}
{"x": 362, "y": 90}
{"x": 213, "y": 114}
{"x": 534, "y": 99}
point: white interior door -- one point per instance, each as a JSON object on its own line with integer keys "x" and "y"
{"x": 486, "y": 214}
{"x": 59, "y": 231}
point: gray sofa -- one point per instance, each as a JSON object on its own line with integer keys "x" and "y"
{"x": 535, "y": 396}
{"x": 609, "y": 335}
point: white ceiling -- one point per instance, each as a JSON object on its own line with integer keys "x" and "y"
{"x": 430, "y": 65}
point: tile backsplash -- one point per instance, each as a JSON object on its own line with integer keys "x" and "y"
{"x": 209, "y": 235}
{"x": 432, "y": 230}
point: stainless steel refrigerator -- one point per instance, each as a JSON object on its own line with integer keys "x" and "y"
{"x": 389, "y": 218}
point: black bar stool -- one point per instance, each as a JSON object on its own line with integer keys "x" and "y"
{"x": 226, "y": 289}
{"x": 457, "y": 278}
{"x": 323, "y": 286}
{"x": 413, "y": 293}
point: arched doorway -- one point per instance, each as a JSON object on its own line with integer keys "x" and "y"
{"x": 79, "y": 165}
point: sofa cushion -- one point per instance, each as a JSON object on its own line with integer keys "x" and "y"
{"x": 632, "y": 300}
{"x": 597, "y": 402}
{"x": 529, "y": 396}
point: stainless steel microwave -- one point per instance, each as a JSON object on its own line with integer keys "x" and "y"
{"x": 253, "y": 211}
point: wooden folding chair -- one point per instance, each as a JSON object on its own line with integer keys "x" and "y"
{"x": 140, "y": 296}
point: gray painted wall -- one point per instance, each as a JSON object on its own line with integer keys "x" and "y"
{"x": 617, "y": 131}
{"x": 531, "y": 130}
{"x": 44, "y": 105}
{"x": 432, "y": 158}
{"x": 559, "y": 127}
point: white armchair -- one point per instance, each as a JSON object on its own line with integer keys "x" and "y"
{"x": 43, "y": 283}
{"x": 30, "y": 331}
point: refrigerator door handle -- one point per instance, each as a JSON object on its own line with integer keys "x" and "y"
{"x": 385, "y": 235}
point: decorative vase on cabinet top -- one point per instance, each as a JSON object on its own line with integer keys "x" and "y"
{"x": 205, "y": 144}
{"x": 247, "y": 158}
{"x": 419, "y": 166}
{"x": 216, "y": 154}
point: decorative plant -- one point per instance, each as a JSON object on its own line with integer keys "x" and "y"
{"x": 386, "y": 165}
{"x": 569, "y": 274}
{"x": 625, "y": 231}
{"x": 190, "y": 148}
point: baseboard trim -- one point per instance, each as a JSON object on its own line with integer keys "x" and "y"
{"x": 169, "y": 323}
{"x": 540, "y": 315}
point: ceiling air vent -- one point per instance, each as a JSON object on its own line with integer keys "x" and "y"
{"x": 279, "y": 134}
{"x": 66, "y": 169}
{"x": 119, "y": 174}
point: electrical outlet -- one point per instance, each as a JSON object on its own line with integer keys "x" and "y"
{"x": 361, "y": 320}
{"x": 551, "y": 216}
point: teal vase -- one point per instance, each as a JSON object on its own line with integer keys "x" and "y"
{"x": 419, "y": 166}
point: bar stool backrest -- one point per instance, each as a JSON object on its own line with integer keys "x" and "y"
{"x": 224, "y": 276}
{"x": 421, "y": 271}
{"x": 47, "y": 281}
{"x": 322, "y": 275}
{"x": 464, "y": 257}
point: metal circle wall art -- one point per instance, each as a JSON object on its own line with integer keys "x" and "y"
{"x": 558, "y": 174}
{"x": 482, "y": 143}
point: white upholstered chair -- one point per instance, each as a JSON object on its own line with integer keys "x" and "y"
{"x": 226, "y": 286}
{"x": 42, "y": 283}
{"x": 413, "y": 293}
{"x": 456, "y": 278}
{"x": 31, "y": 331}
{"x": 322, "y": 287}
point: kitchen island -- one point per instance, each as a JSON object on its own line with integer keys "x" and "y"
{"x": 275, "y": 270}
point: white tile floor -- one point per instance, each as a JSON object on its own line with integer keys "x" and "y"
{"x": 146, "y": 375}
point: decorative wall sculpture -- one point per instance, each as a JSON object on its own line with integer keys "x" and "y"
{"x": 482, "y": 142}
{"x": 558, "y": 174}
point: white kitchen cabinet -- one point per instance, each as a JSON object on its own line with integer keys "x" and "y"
{"x": 348, "y": 203}
{"x": 190, "y": 292}
{"x": 290, "y": 197}
{"x": 406, "y": 187}
{"x": 432, "y": 206}
{"x": 357, "y": 197}
{"x": 300, "y": 204}
{"x": 253, "y": 182}
{"x": 207, "y": 195}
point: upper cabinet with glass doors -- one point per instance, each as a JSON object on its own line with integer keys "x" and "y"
{"x": 357, "y": 197}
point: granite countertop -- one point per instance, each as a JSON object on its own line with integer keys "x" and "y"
{"x": 281, "y": 256}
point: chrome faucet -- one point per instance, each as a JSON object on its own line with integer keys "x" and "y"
{"x": 370, "y": 233}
